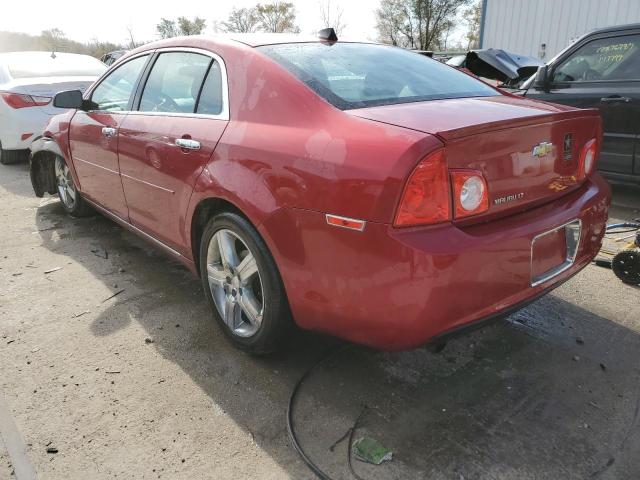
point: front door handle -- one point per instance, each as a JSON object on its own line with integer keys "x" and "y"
{"x": 188, "y": 144}
{"x": 108, "y": 131}
{"x": 614, "y": 99}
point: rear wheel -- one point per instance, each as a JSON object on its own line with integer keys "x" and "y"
{"x": 243, "y": 285}
{"x": 69, "y": 196}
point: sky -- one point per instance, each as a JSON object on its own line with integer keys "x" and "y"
{"x": 108, "y": 21}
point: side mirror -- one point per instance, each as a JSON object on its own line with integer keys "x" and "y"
{"x": 542, "y": 80}
{"x": 69, "y": 99}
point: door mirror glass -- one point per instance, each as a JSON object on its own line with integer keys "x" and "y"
{"x": 69, "y": 99}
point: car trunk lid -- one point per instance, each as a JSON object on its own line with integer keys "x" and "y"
{"x": 48, "y": 87}
{"x": 527, "y": 151}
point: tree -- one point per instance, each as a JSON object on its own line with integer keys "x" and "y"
{"x": 241, "y": 20}
{"x": 191, "y": 27}
{"x": 332, "y": 17}
{"x": 182, "y": 26}
{"x": 54, "y": 39}
{"x": 472, "y": 17}
{"x": 421, "y": 24}
{"x": 167, "y": 28}
{"x": 277, "y": 17}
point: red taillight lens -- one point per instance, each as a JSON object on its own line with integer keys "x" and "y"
{"x": 426, "y": 196}
{"x": 470, "y": 194}
{"x": 588, "y": 158}
{"x": 20, "y": 100}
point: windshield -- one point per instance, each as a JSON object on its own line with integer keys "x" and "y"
{"x": 357, "y": 75}
{"x": 54, "y": 65}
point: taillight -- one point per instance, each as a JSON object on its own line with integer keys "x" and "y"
{"x": 588, "y": 157}
{"x": 470, "y": 195}
{"x": 21, "y": 100}
{"x": 425, "y": 199}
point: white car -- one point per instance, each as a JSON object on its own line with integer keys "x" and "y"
{"x": 28, "y": 82}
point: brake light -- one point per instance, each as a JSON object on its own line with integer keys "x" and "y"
{"x": 588, "y": 157}
{"x": 21, "y": 100}
{"x": 470, "y": 193}
{"x": 425, "y": 199}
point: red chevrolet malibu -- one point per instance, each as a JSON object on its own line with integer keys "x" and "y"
{"x": 356, "y": 189}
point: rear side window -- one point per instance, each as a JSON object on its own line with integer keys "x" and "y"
{"x": 356, "y": 75}
{"x": 114, "y": 92}
{"x": 210, "y": 102}
{"x": 614, "y": 58}
{"x": 174, "y": 83}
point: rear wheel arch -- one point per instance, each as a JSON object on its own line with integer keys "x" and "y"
{"x": 204, "y": 211}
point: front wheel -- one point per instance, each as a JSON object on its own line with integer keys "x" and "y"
{"x": 69, "y": 196}
{"x": 243, "y": 286}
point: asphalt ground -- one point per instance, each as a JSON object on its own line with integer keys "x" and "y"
{"x": 143, "y": 385}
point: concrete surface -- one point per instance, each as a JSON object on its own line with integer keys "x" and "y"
{"x": 551, "y": 394}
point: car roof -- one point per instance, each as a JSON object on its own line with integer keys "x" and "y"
{"x": 261, "y": 39}
{"x": 615, "y": 28}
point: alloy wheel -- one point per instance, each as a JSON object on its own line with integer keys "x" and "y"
{"x": 66, "y": 187}
{"x": 235, "y": 284}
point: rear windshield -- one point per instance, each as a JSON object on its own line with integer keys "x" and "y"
{"x": 56, "y": 65}
{"x": 357, "y": 75}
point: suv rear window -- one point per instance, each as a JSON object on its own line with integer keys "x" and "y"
{"x": 358, "y": 75}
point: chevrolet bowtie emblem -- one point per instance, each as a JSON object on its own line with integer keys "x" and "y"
{"x": 542, "y": 149}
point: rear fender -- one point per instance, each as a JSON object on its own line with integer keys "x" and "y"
{"x": 42, "y": 167}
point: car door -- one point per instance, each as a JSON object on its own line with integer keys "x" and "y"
{"x": 604, "y": 73}
{"x": 93, "y": 136}
{"x": 181, "y": 113}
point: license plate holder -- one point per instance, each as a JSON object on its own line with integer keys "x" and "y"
{"x": 554, "y": 251}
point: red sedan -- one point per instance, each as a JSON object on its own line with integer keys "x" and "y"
{"x": 351, "y": 188}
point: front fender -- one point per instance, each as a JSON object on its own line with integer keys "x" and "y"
{"x": 41, "y": 165}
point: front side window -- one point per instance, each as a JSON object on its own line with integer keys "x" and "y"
{"x": 114, "y": 92}
{"x": 357, "y": 75}
{"x": 615, "y": 58}
{"x": 174, "y": 83}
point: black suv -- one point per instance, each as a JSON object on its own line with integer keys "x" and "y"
{"x": 601, "y": 70}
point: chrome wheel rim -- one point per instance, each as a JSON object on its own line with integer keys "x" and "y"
{"x": 66, "y": 188}
{"x": 235, "y": 283}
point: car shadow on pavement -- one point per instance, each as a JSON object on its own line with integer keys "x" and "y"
{"x": 551, "y": 393}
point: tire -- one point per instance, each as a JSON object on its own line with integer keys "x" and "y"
{"x": 8, "y": 157}
{"x": 69, "y": 196}
{"x": 255, "y": 306}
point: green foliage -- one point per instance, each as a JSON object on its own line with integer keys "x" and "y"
{"x": 181, "y": 26}
{"x": 420, "y": 24}
{"x": 277, "y": 17}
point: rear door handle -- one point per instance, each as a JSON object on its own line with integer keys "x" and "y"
{"x": 188, "y": 144}
{"x": 615, "y": 98}
{"x": 109, "y": 131}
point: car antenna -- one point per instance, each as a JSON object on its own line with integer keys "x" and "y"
{"x": 328, "y": 34}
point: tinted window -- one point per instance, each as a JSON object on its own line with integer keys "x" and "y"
{"x": 616, "y": 58}
{"x": 210, "y": 102}
{"x": 174, "y": 82}
{"x": 353, "y": 75}
{"x": 115, "y": 90}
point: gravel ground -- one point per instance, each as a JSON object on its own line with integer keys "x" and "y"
{"x": 142, "y": 385}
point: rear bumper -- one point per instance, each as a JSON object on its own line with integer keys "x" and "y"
{"x": 398, "y": 288}
{"x": 15, "y": 123}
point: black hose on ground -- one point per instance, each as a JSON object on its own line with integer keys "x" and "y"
{"x": 292, "y": 434}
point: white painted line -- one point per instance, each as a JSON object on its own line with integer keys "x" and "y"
{"x": 14, "y": 443}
